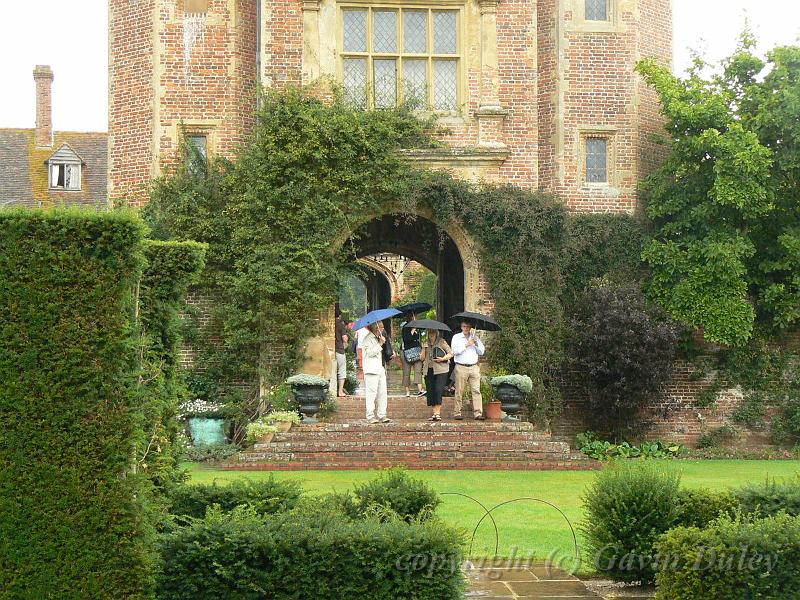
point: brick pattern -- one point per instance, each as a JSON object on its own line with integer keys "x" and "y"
{"x": 412, "y": 443}
{"x": 676, "y": 418}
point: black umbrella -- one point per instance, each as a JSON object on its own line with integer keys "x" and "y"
{"x": 426, "y": 324}
{"x": 414, "y": 307}
{"x": 478, "y": 320}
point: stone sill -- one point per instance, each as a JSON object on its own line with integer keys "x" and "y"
{"x": 463, "y": 156}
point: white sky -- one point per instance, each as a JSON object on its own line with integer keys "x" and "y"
{"x": 74, "y": 42}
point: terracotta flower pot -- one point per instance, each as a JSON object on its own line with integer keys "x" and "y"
{"x": 494, "y": 410}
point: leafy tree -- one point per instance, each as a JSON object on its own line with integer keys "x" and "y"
{"x": 725, "y": 256}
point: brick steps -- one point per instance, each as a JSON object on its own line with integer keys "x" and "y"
{"x": 414, "y": 443}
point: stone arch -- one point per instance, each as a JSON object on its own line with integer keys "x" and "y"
{"x": 474, "y": 287}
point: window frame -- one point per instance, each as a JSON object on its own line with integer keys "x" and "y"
{"x": 65, "y": 164}
{"x": 457, "y": 6}
{"x": 607, "y": 133}
{"x": 609, "y": 18}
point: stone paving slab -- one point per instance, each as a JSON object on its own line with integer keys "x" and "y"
{"x": 530, "y": 582}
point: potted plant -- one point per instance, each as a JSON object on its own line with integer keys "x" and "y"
{"x": 206, "y": 421}
{"x": 264, "y": 428}
{"x": 310, "y": 392}
{"x": 493, "y": 409}
{"x": 512, "y": 390}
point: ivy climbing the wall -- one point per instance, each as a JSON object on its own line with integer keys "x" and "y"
{"x": 276, "y": 217}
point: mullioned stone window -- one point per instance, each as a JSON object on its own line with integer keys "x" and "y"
{"x": 390, "y": 55}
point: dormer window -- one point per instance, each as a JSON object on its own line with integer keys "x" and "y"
{"x": 64, "y": 169}
{"x": 65, "y": 177}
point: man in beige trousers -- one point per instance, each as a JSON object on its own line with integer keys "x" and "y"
{"x": 467, "y": 349}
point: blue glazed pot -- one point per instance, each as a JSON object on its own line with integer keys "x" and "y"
{"x": 206, "y": 431}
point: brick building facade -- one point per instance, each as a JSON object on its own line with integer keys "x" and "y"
{"x": 538, "y": 93}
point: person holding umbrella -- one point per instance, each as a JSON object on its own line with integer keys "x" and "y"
{"x": 435, "y": 358}
{"x": 374, "y": 371}
{"x": 467, "y": 349}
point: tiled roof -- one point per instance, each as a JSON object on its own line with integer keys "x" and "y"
{"x": 23, "y": 172}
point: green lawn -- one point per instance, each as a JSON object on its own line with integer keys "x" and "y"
{"x": 530, "y": 527}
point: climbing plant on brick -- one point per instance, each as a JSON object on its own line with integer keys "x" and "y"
{"x": 171, "y": 267}
{"x": 275, "y": 218}
{"x": 72, "y": 522}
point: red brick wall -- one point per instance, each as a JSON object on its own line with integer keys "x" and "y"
{"x": 172, "y": 69}
{"x": 676, "y": 418}
{"x": 131, "y": 93}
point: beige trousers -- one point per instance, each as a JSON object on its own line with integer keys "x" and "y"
{"x": 376, "y": 395}
{"x": 468, "y": 376}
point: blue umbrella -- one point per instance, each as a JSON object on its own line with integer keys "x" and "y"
{"x": 375, "y": 316}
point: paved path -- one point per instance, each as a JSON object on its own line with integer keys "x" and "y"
{"x": 534, "y": 582}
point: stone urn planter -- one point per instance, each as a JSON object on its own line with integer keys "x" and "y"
{"x": 205, "y": 431}
{"x": 511, "y": 391}
{"x": 309, "y": 392}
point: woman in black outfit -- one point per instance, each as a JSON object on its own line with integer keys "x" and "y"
{"x": 436, "y": 357}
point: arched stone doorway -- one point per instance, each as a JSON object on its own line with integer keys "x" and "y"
{"x": 421, "y": 240}
{"x": 443, "y": 248}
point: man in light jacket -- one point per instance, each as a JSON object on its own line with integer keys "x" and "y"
{"x": 375, "y": 376}
{"x": 467, "y": 350}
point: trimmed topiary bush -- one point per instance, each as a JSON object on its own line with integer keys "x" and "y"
{"x": 699, "y": 507}
{"x": 627, "y": 506}
{"x": 72, "y": 520}
{"x": 731, "y": 559}
{"x": 770, "y": 497}
{"x": 395, "y": 490}
{"x": 264, "y": 497}
{"x": 244, "y": 556}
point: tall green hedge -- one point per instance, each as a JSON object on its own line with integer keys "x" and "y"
{"x": 171, "y": 268}
{"x": 71, "y": 523}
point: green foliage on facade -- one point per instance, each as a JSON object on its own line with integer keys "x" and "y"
{"x": 171, "y": 267}
{"x": 276, "y": 220}
{"x": 72, "y": 520}
{"x": 725, "y": 255}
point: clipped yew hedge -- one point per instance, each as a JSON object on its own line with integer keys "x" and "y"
{"x": 320, "y": 554}
{"x": 71, "y": 522}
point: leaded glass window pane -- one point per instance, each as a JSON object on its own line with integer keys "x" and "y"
{"x": 415, "y": 31}
{"x": 597, "y": 10}
{"x": 444, "y": 84}
{"x": 384, "y": 31}
{"x": 597, "y": 160}
{"x": 444, "y": 32}
{"x": 355, "y": 80}
{"x": 415, "y": 77}
{"x": 385, "y": 81}
{"x": 355, "y": 30}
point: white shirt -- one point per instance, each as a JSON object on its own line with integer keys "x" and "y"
{"x": 467, "y": 355}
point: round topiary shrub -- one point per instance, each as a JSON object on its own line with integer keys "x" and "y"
{"x": 622, "y": 352}
{"x": 627, "y": 507}
{"x": 396, "y": 491}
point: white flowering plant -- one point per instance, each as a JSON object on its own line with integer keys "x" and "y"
{"x": 205, "y": 409}
{"x": 303, "y": 379}
{"x": 522, "y": 382}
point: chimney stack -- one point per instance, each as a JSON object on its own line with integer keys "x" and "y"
{"x": 43, "y": 76}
